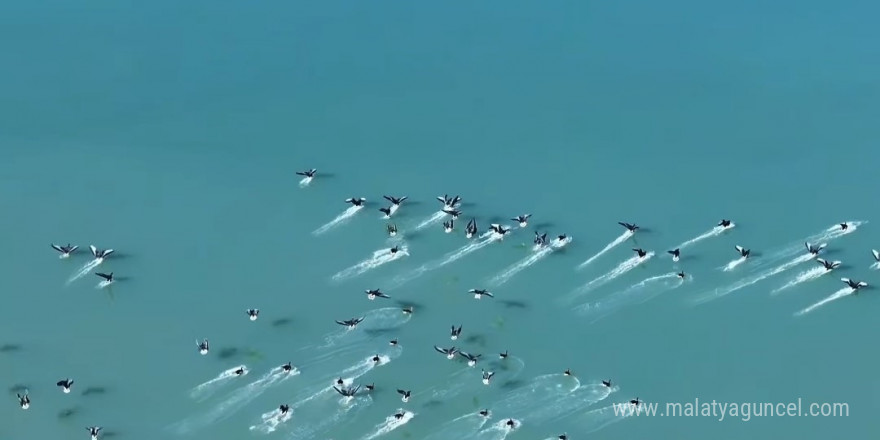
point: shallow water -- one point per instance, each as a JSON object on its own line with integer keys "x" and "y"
{"x": 171, "y": 133}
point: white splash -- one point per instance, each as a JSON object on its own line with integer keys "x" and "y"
{"x": 390, "y": 424}
{"x": 380, "y": 257}
{"x": 498, "y": 430}
{"x": 846, "y": 291}
{"x": 617, "y": 241}
{"x": 305, "y": 182}
{"x": 622, "y": 268}
{"x": 459, "y": 427}
{"x": 635, "y": 294}
{"x": 734, "y": 263}
{"x": 432, "y": 220}
{"x": 339, "y": 220}
{"x": 720, "y": 292}
{"x": 485, "y": 240}
{"x": 271, "y": 420}
{"x": 85, "y": 269}
{"x": 521, "y": 265}
{"x": 206, "y": 389}
{"x": 597, "y": 419}
{"x": 803, "y": 277}
{"x": 714, "y": 232}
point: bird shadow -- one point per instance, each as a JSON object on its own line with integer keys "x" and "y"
{"x": 322, "y": 175}
{"x": 513, "y": 384}
{"x": 10, "y": 348}
{"x": 433, "y": 403}
{"x": 68, "y": 412}
{"x": 119, "y": 256}
{"x": 827, "y": 251}
{"x": 228, "y": 353}
{"x": 755, "y": 254}
{"x": 687, "y": 258}
{"x": 477, "y": 339}
{"x": 373, "y": 332}
{"x": 18, "y": 388}
{"x": 94, "y": 391}
{"x": 412, "y": 304}
{"x": 281, "y": 322}
{"x": 543, "y": 227}
{"x": 643, "y": 230}
{"x": 512, "y": 304}
{"x": 121, "y": 278}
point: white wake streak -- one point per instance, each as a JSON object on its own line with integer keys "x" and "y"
{"x": 334, "y": 412}
{"x": 823, "y": 236}
{"x": 204, "y": 390}
{"x": 85, "y": 269}
{"x": 380, "y": 257}
{"x": 483, "y": 241}
{"x": 459, "y": 427}
{"x": 539, "y": 399}
{"x": 617, "y": 241}
{"x": 340, "y": 219}
{"x": 721, "y": 292}
{"x": 714, "y": 232}
{"x": 622, "y": 268}
{"x": 432, "y": 220}
{"x": 521, "y": 265}
{"x": 497, "y": 431}
{"x": 635, "y": 294}
{"x": 582, "y": 398}
{"x": 846, "y": 291}
{"x": 734, "y": 263}
{"x": 390, "y": 424}
{"x": 597, "y": 419}
{"x": 803, "y": 277}
{"x": 271, "y": 420}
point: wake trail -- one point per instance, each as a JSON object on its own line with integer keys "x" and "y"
{"x": 617, "y": 241}
{"x": 597, "y": 419}
{"x": 714, "y": 232}
{"x": 622, "y": 268}
{"x": 334, "y": 412}
{"x": 734, "y": 263}
{"x": 484, "y": 240}
{"x": 85, "y": 269}
{"x": 459, "y": 427}
{"x": 379, "y": 258}
{"x": 236, "y": 400}
{"x": 271, "y": 420}
{"x": 803, "y": 277}
{"x": 339, "y": 220}
{"x": 206, "y": 389}
{"x": 846, "y": 291}
{"x": 432, "y": 220}
{"x": 539, "y": 399}
{"x": 824, "y": 236}
{"x": 583, "y": 398}
{"x": 636, "y": 294}
{"x": 518, "y": 267}
{"x": 390, "y": 424}
{"x": 721, "y": 292}
{"x": 497, "y": 431}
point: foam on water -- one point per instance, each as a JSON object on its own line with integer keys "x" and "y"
{"x": 582, "y": 398}
{"x": 271, "y": 420}
{"x": 521, "y": 265}
{"x": 803, "y": 277}
{"x": 635, "y": 294}
{"x": 538, "y": 399}
{"x": 498, "y": 430}
{"x": 390, "y": 424}
{"x": 617, "y": 241}
{"x": 714, "y": 232}
{"x": 380, "y": 257}
{"x": 824, "y": 236}
{"x": 206, "y": 389}
{"x": 622, "y": 268}
{"x": 484, "y": 240}
{"x": 376, "y": 323}
{"x": 433, "y": 219}
{"x": 85, "y": 269}
{"x": 459, "y": 427}
{"x": 597, "y": 419}
{"x": 330, "y": 412}
{"x": 339, "y": 220}
{"x": 724, "y": 291}
{"x": 734, "y": 263}
{"x": 846, "y": 291}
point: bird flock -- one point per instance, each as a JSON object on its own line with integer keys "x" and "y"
{"x": 450, "y": 213}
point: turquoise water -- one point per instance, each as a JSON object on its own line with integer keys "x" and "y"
{"x": 171, "y": 134}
